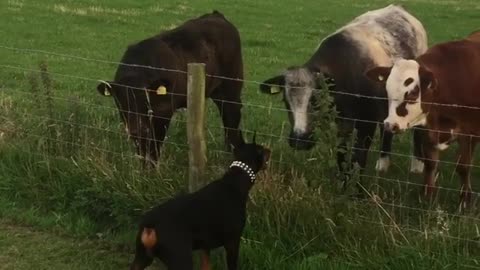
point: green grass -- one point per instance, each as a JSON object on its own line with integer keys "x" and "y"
{"x": 67, "y": 169}
{"x": 28, "y": 248}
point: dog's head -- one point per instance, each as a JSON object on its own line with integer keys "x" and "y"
{"x": 254, "y": 155}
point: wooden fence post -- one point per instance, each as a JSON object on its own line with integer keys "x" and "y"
{"x": 197, "y": 156}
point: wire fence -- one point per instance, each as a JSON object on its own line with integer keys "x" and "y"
{"x": 105, "y": 128}
{"x": 269, "y": 108}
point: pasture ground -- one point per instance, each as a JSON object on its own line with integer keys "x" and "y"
{"x": 71, "y": 189}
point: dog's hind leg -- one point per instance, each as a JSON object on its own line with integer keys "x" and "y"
{"x": 146, "y": 241}
{"x": 206, "y": 260}
{"x": 179, "y": 256}
{"x": 142, "y": 258}
{"x": 232, "y": 249}
{"x": 141, "y": 261}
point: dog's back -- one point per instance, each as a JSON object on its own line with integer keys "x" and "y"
{"x": 206, "y": 219}
{"x": 203, "y": 214}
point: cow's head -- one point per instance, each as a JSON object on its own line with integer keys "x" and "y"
{"x": 134, "y": 98}
{"x": 297, "y": 85}
{"x": 405, "y": 83}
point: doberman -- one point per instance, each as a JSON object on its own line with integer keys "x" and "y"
{"x": 212, "y": 217}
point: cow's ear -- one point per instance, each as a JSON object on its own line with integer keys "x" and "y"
{"x": 104, "y": 88}
{"x": 427, "y": 79}
{"x": 379, "y": 74}
{"x": 273, "y": 85}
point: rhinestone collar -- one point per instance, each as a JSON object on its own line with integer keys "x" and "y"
{"x": 245, "y": 168}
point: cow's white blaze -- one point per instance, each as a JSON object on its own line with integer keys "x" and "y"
{"x": 299, "y": 86}
{"x": 403, "y": 70}
{"x": 299, "y": 105}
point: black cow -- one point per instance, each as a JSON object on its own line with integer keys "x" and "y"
{"x": 378, "y": 36}
{"x": 151, "y": 83}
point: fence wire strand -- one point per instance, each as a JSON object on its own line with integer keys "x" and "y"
{"x": 26, "y": 50}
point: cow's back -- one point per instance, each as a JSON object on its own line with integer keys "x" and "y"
{"x": 374, "y": 38}
{"x": 388, "y": 33}
{"x": 209, "y": 39}
{"x": 382, "y": 36}
{"x": 475, "y": 36}
{"x": 456, "y": 69}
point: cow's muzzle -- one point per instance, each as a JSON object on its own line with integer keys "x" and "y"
{"x": 301, "y": 141}
{"x": 392, "y": 127}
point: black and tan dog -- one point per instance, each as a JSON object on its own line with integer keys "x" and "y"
{"x": 210, "y": 218}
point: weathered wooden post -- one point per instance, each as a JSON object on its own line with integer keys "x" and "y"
{"x": 197, "y": 155}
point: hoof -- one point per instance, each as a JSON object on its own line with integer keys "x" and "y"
{"x": 416, "y": 166}
{"x": 383, "y": 164}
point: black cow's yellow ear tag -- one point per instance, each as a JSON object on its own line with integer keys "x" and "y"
{"x": 274, "y": 89}
{"x": 381, "y": 78}
{"x": 106, "y": 92}
{"x": 161, "y": 90}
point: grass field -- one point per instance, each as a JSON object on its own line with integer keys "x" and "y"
{"x": 72, "y": 190}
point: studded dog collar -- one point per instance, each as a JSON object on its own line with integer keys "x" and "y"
{"x": 245, "y": 168}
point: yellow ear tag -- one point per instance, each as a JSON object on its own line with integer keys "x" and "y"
{"x": 162, "y": 90}
{"x": 381, "y": 78}
{"x": 106, "y": 92}
{"x": 274, "y": 89}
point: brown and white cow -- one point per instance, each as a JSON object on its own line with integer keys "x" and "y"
{"x": 439, "y": 90}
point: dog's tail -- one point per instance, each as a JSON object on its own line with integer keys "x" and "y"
{"x": 149, "y": 238}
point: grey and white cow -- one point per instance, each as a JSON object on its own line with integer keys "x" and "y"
{"x": 375, "y": 38}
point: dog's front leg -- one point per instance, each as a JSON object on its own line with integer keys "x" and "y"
{"x": 232, "y": 249}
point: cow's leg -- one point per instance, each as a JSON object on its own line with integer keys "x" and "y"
{"x": 160, "y": 131}
{"x": 229, "y": 103}
{"x": 159, "y": 126}
{"x": 417, "y": 165}
{"x": 384, "y": 161}
{"x": 430, "y": 159}
{"x": 365, "y": 134}
{"x": 345, "y": 132}
{"x": 466, "y": 148}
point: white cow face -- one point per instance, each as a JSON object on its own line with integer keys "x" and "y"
{"x": 404, "y": 83}
{"x": 297, "y": 85}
